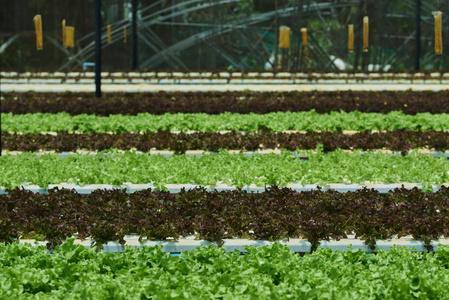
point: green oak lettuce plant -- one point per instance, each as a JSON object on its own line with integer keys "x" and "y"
{"x": 233, "y": 169}
{"x": 268, "y": 272}
{"x": 277, "y": 122}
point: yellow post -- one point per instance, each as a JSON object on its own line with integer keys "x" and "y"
{"x": 351, "y": 38}
{"x": 284, "y": 37}
{"x": 304, "y": 36}
{"x": 365, "y": 34}
{"x": 124, "y": 35}
{"x": 438, "y": 15}
{"x": 70, "y": 36}
{"x": 38, "y": 27}
{"x": 63, "y": 33}
{"x": 109, "y": 34}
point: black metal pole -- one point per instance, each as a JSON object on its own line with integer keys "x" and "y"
{"x": 98, "y": 48}
{"x": 1, "y": 147}
{"x": 418, "y": 35}
{"x": 276, "y": 35}
{"x": 134, "y": 25}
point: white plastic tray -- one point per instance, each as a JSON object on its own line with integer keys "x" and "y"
{"x": 151, "y": 87}
{"x": 296, "y": 245}
{"x": 176, "y": 188}
{"x": 199, "y": 153}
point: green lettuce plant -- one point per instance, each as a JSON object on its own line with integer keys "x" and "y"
{"x": 269, "y": 272}
{"x": 276, "y": 121}
{"x": 233, "y": 169}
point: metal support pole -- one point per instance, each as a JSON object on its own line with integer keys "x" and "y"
{"x": 134, "y": 26}
{"x": 418, "y": 35}
{"x": 276, "y": 35}
{"x": 98, "y": 48}
{"x": 1, "y": 146}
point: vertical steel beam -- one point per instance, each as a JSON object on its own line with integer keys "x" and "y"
{"x": 418, "y": 35}
{"x": 134, "y": 26}
{"x": 276, "y": 35}
{"x": 1, "y": 146}
{"x": 98, "y": 48}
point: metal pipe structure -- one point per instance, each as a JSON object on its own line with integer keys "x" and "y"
{"x": 170, "y": 52}
{"x": 418, "y": 35}
{"x": 134, "y": 26}
{"x": 98, "y": 48}
{"x": 158, "y": 17}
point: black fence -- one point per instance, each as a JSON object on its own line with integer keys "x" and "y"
{"x": 225, "y": 35}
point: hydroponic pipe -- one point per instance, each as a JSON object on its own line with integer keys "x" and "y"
{"x": 98, "y": 48}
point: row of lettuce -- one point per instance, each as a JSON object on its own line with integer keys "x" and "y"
{"x": 410, "y": 102}
{"x": 276, "y": 121}
{"x": 277, "y": 213}
{"x": 397, "y": 140}
{"x": 270, "y": 272}
{"x": 116, "y": 168}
